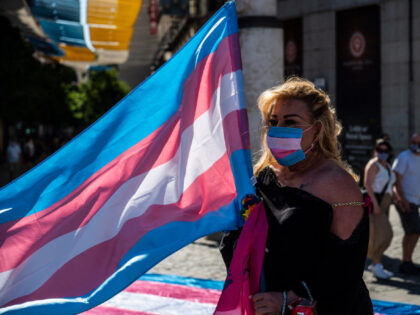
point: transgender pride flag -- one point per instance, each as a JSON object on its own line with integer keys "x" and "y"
{"x": 168, "y": 164}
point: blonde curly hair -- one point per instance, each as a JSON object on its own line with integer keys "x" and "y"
{"x": 319, "y": 105}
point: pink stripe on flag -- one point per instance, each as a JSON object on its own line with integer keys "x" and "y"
{"x": 25, "y": 236}
{"x": 175, "y": 291}
{"x": 237, "y": 137}
{"x": 85, "y": 268}
{"x": 109, "y": 310}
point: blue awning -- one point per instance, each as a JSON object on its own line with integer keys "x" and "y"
{"x": 70, "y": 33}
{"x": 48, "y": 48}
{"x": 68, "y": 10}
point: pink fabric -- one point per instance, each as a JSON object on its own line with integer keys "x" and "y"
{"x": 109, "y": 310}
{"x": 284, "y": 143}
{"x": 245, "y": 269}
{"x": 282, "y": 147}
{"x": 175, "y": 291}
{"x": 282, "y": 153}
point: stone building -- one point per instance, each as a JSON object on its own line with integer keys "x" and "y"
{"x": 366, "y": 54}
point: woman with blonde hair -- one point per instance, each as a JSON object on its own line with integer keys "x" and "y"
{"x": 318, "y": 225}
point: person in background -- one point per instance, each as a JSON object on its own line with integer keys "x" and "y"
{"x": 407, "y": 170}
{"x": 378, "y": 181}
{"x": 14, "y": 157}
{"x": 29, "y": 150}
{"x": 391, "y": 156}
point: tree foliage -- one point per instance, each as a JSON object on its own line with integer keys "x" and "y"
{"x": 92, "y": 99}
{"x": 30, "y": 92}
{"x": 34, "y": 93}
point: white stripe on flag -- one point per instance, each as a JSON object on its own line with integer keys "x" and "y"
{"x": 202, "y": 144}
{"x": 158, "y": 304}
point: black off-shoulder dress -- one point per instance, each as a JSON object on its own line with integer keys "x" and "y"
{"x": 300, "y": 247}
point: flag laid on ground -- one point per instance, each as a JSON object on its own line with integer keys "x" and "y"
{"x": 163, "y": 294}
{"x": 168, "y": 164}
{"x": 167, "y": 294}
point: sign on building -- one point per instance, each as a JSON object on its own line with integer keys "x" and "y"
{"x": 358, "y": 82}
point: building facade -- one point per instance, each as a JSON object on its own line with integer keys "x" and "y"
{"x": 366, "y": 55}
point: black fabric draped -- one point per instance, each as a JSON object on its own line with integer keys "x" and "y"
{"x": 300, "y": 247}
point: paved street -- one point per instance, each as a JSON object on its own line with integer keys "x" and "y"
{"x": 399, "y": 288}
{"x": 202, "y": 260}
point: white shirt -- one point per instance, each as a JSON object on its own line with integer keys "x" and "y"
{"x": 13, "y": 152}
{"x": 382, "y": 178}
{"x": 29, "y": 148}
{"x": 407, "y": 164}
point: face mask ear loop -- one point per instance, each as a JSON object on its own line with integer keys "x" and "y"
{"x": 310, "y": 148}
{"x": 313, "y": 142}
{"x": 307, "y": 129}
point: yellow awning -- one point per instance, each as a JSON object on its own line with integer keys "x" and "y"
{"x": 121, "y": 13}
{"x": 75, "y": 53}
{"x": 110, "y": 38}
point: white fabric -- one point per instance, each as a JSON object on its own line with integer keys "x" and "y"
{"x": 382, "y": 178}
{"x": 408, "y": 165}
{"x": 13, "y": 152}
{"x": 158, "y": 304}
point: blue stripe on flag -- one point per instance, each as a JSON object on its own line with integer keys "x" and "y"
{"x": 393, "y": 308}
{"x": 187, "y": 281}
{"x": 238, "y": 160}
{"x": 127, "y": 123}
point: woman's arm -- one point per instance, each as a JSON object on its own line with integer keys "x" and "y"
{"x": 402, "y": 201}
{"x": 271, "y": 302}
{"x": 338, "y": 186}
{"x": 371, "y": 170}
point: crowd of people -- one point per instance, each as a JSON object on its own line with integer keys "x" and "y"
{"x": 398, "y": 184}
{"x": 23, "y": 153}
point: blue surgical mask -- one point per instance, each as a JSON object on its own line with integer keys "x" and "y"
{"x": 284, "y": 143}
{"x": 415, "y": 148}
{"x": 382, "y": 156}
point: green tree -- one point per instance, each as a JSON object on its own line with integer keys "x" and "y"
{"x": 92, "y": 99}
{"x": 36, "y": 93}
{"x": 31, "y": 92}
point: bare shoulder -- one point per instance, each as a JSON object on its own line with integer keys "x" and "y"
{"x": 372, "y": 166}
{"x": 337, "y": 186}
{"x": 334, "y": 184}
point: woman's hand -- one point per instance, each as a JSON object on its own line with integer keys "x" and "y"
{"x": 376, "y": 208}
{"x": 268, "y": 303}
{"x": 404, "y": 205}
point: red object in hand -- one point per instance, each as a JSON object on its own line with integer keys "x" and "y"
{"x": 303, "y": 310}
{"x": 304, "y": 307}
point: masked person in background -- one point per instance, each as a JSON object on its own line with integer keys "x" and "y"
{"x": 318, "y": 227}
{"x": 378, "y": 182}
{"x": 407, "y": 170}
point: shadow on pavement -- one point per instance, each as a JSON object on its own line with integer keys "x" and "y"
{"x": 409, "y": 283}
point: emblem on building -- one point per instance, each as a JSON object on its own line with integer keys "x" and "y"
{"x": 291, "y": 51}
{"x": 357, "y": 44}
